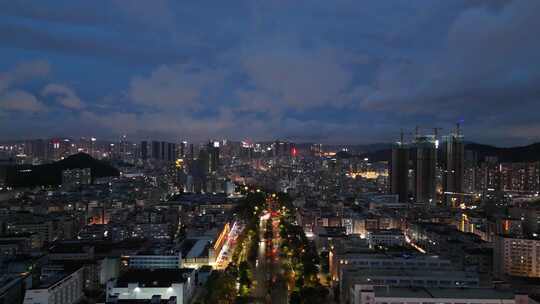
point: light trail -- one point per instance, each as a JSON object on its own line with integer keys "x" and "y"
{"x": 409, "y": 241}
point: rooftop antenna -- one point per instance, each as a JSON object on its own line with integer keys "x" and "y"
{"x": 401, "y": 136}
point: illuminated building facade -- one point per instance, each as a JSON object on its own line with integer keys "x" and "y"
{"x": 517, "y": 257}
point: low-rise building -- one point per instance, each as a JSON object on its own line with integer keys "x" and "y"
{"x": 153, "y": 260}
{"x": 386, "y": 238}
{"x": 353, "y": 278}
{"x": 146, "y": 284}
{"x": 424, "y": 295}
{"x": 64, "y": 288}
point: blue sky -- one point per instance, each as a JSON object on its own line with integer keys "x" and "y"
{"x": 327, "y": 71}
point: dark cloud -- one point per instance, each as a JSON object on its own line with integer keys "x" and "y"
{"x": 304, "y": 70}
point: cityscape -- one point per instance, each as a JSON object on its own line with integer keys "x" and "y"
{"x": 302, "y": 152}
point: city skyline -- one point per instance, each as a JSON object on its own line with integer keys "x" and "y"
{"x": 335, "y": 73}
{"x": 269, "y": 152}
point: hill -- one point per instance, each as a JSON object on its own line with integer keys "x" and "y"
{"x": 514, "y": 154}
{"x": 51, "y": 174}
{"x": 528, "y": 153}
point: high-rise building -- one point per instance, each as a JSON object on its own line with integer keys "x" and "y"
{"x": 191, "y": 151}
{"x": 520, "y": 177}
{"x": 163, "y": 150}
{"x": 36, "y": 148}
{"x": 204, "y": 161}
{"x": 171, "y": 152}
{"x": 424, "y": 155}
{"x": 183, "y": 149}
{"x": 469, "y": 174}
{"x": 159, "y": 150}
{"x": 144, "y": 150}
{"x": 399, "y": 170}
{"x": 213, "y": 156}
{"x": 282, "y": 148}
{"x": 488, "y": 175}
{"x": 453, "y": 167}
{"x": 156, "y": 150}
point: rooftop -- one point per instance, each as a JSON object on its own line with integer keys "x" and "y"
{"x": 442, "y": 293}
{"x": 154, "y": 277}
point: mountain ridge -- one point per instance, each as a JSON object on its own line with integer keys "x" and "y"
{"x": 51, "y": 174}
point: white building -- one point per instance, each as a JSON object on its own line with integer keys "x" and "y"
{"x": 405, "y": 295}
{"x": 145, "y": 284}
{"x": 61, "y": 289}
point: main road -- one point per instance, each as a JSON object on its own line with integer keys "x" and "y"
{"x": 270, "y": 286}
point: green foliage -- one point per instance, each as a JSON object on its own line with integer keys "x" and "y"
{"x": 221, "y": 287}
{"x": 314, "y": 295}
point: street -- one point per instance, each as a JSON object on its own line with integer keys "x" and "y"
{"x": 270, "y": 286}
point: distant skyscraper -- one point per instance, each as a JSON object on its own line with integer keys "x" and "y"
{"x": 282, "y": 148}
{"x": 453, "y": 167}
{"x": 183, "y": 149}
{"x": 163, "y": 151}
{"x": 204, "y": 161}
{"x": 144, "y": 150}
{"x": 399, "y": 170}
{"x": 424, "y": 154}
{"x": 171, "y": 152}
{"x": 469, "y": 175}
{"x": 156, "y": 150}
{"x": 36, "y": 148}
{"x": 191, "y": 154}
{"x": 213, "y": 156}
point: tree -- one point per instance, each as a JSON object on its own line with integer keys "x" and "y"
{"x": 221, "y": 287}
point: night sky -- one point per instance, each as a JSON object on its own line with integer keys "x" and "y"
{"x": 332, "y": 71}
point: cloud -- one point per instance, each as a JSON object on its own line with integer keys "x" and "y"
{"x": 297, "y": 78}
{"x": 63, "y": 95}
{"x": 305, "y": 70}
{"x": 489, "y": 61}
{"x": 155, "y": 13}
{"x": 21, "y": 101}
{"x": 13, "y": 99}
{"x": 24, "y": 71}
{"x": 176, "y": 86}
